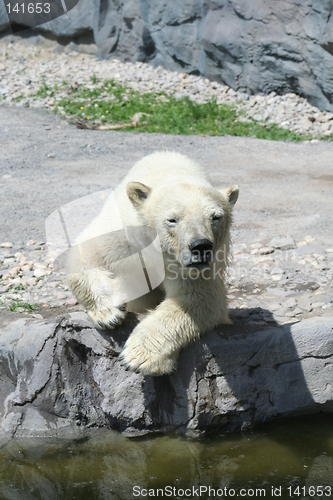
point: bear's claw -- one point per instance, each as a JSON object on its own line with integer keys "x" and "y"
{"x": 107, "y": 319}
{"x": 146, "y": 363}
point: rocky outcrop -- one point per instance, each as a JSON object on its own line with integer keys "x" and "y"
{"x": 255, "y": 47}
{"x": 61, "y": 376}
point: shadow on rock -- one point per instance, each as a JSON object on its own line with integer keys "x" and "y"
{"x": 239, "y": 375}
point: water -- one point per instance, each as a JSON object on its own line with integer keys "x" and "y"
{"x": 287, "y": 459}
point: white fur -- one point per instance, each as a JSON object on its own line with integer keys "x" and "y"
{"x": 190, "y": 301}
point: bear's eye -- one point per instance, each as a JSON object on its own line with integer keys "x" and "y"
{"x": 172, "y": 220}
{"x": 216, "y": 217}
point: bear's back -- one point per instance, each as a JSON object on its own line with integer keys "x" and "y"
{"x": 166, "y": 167}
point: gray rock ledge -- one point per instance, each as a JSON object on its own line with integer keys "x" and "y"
{"x": 60, "y": 377}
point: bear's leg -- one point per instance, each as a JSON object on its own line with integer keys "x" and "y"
{"x": 99, "y": 293}
{"x": 154, "y": 345}
{"x": 153, "y": 348}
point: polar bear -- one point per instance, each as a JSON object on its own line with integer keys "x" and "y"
{"x": 172, "y": 195}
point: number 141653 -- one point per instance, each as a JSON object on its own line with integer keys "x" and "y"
{"x": 30, "y": 8}
{"x": 310, "y": 491}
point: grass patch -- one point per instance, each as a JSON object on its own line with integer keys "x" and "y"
{"x": 18, "y": 305}
{"x": 19, "y": 287}
{"x": 109, "y": 103}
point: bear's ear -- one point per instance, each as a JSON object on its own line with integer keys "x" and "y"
{"x": 231, "y": 194}
{"x": 137, "y": 193}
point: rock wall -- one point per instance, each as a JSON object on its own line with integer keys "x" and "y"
{"x": 60, "y": 376}
{"x": 256, "y": 46}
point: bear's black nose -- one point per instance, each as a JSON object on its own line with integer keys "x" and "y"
{"x": 201, "y": 250}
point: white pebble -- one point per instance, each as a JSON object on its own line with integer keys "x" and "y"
{"x": 39, "y": 273}
{"x": 72, "y": 302}
{"x": 14, "y": 271}
{"x": 40, "y": 265}
{"x": 317, "y": 305}
{"x": 27, "y": 267}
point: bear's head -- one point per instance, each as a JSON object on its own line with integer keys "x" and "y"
{"x": 191, "y": 220}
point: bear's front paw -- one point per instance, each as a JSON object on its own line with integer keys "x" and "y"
{"x": 145, "y": 356}
{"x": 107, "y": 318}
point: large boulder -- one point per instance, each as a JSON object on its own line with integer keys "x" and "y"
{"x": 60, "y": 376}
{"x": 263, "y": 46}
{"x": 256, "y": 47}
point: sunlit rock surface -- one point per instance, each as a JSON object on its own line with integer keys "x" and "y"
{"x": 60, "y": 376}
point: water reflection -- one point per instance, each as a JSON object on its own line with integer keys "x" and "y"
{"x": 105, "y": 465}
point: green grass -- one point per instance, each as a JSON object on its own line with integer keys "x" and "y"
{"x": 19, "y": 287}
{"x": 110, "y": 103}
{"x": 18, "y": 305}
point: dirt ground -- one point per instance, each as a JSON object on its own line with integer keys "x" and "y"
{"x": 286, "y": 189}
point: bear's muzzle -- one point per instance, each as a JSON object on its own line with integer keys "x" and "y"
{"x": 201, "y": 253}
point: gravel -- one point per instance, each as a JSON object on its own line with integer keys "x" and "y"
{"x": 27, "y": 278}
{"x": 286, "y": 294}
{"x": 24, "y": 67}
